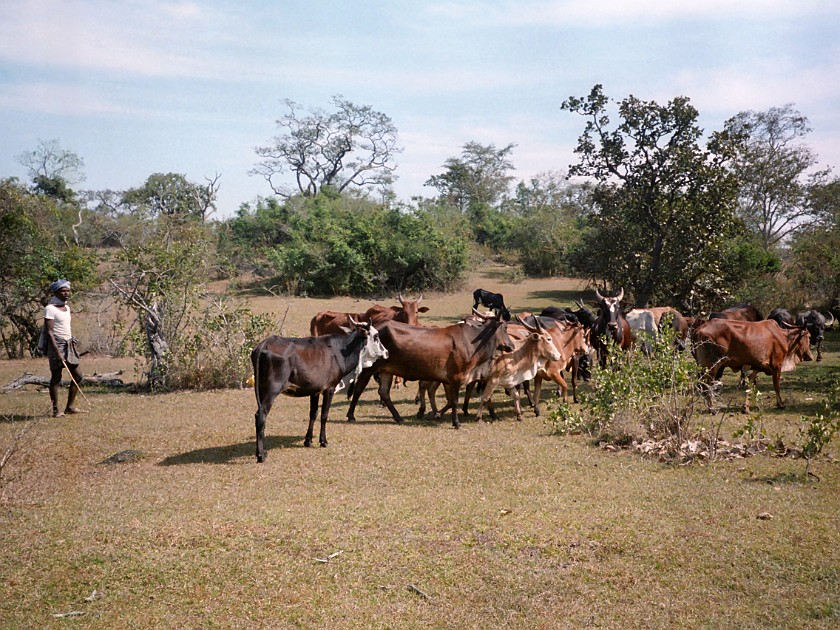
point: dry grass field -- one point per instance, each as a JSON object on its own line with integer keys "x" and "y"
{"x": 498, "y": 525}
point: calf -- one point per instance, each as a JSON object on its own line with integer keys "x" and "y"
{"x": 310, "y": 366}
{"x": 762, "y": 346}
{"x": 494, "y": 301}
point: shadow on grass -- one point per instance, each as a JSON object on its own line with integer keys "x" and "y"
{"x": 20, "y": 417}
{"x": 226, "y": 454}
{"x": 784, "y": 477}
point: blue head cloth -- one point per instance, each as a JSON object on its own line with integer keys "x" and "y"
{"x": 58, "y": 285}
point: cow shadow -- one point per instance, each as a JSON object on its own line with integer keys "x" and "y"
{"x": 227, "y": 454}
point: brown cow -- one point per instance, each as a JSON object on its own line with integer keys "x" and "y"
{"x": 762, "y": 346}
{"x": 332, "y": 322}
{"x": 572, "y": 340}
{"x": 453, "y": 355}
{"x": 532, "y": 347}
{"x": 739, "y": 313}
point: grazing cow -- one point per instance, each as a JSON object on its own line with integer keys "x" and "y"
{"x": 572, "y": 341}
{"x": 332, "y": 322}
{"x": 739, "y": 312}
{"x": 610, "y": 322}
{"x": 452, "y": 355}
{"x": 783, "y": 317}
{"x": 763, "y": 346}
{"x": 530, "y": 352}
{"x": 816, "y": 324}
{"x": 310, "y": 366}
{"x": 494, "y": 301}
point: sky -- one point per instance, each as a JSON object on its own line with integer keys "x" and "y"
{"x": 194, "y": 86}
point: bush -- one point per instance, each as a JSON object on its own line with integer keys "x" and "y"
{"x": 217, "y": 352}
{"x": 637, "y": 395}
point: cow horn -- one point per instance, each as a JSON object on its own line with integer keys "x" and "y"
{"x": 478, "y": 314}
{"x": 400, "y": 298}
{"x": 420, "y": 299}
{"x": 620, "y": 294}
{"x": 598, "y": 294}
{"x": 831, "y": 323}
{"x": 526, "y": 325}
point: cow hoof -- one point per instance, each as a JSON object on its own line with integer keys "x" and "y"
{"x": 537, "y": 412}
{"x": 307, "y": 443}
{"x": 260, "y": 459}
{"x": 351, "y": 418}
{"x": 323, "y": 445}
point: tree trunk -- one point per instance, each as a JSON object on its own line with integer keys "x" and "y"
{"x": 158, "y": 347}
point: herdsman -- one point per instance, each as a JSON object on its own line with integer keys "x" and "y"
{"x": 61, "y": 346}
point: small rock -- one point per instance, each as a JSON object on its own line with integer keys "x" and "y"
{"x": 124, "y": 457}
{"x": 765, "y": 516}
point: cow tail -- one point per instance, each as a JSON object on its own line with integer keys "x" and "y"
{"x": 255, "y": 360}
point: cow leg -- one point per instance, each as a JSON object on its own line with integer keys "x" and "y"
{"x": 819, "y": 350}
{"x": 385, "y": 381}
{"x": 777, "y": 386}
{"x": 433, "y": 387}
{"x": 537, "y": 392}
{"x": 313, "y": 412}
{"x": 358, "y": 388}
{"x": 753, "y": 375}
{"x": 516, "y": 403}
{"x": 420, "y": 398}
{"x": 325, "y": 412}
{"x": 526, "y": 387}
{"x": 452, "y": 396}
{"x": 267, "y": 389}
{"x": 707, "y": 387}
{"x": 575, "y": 364}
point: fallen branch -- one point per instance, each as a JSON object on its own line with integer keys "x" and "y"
{"x": 329, "y": 557}
{"x": 111, "y": 379}
{"x": 414, "y": 589}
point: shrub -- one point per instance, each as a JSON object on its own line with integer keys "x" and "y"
{"x": 638, "y": 395}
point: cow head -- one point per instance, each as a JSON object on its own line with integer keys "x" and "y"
{"x": 815, "y": 322}
{"x": 492, "y": 327}
{"x": 373, "y": 348}
{"x": 539, "y": 335}
{"x": 611, "y": 314}
{"x": 410, "y": 310}
{"x": 799, "y": 347}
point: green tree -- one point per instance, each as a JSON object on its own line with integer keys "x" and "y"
{"x": 34, "y": 251}
{"x": 664, "y": 204}
{"x": 353, "y": 146}
{"x": 773, "y": 167}
{"x": 53, "y": 170}
{"x": 171, "y": 194}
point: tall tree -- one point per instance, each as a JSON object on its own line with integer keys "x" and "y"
{"x": 479, "y": 176}
{"x": 172, "y": 194}
{"x": 664, "y": 204}
{"x": 773, "y": 166}
{"x": 353, "y": 146}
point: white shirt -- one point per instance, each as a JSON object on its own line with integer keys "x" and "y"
{"x": 61, "y": 320}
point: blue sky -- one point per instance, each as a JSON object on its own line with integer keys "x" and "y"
{"x": 138, "y": 87}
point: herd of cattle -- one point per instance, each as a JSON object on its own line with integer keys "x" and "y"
{"x": 487, "y": 350}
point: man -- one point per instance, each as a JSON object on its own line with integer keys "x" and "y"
{"x": 61, "y": 348}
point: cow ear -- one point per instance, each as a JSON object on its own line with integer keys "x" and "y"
{"x": 423, "y": 309}
{"x": 346, "y": 330}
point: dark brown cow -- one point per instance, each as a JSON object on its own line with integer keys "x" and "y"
{"x": 453, "y": 355}
{"x": 309, "y": 366}
{"x": 762, "y": 346}
{"x": 610, "y": 324}
{"x": 332, "y": 322}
